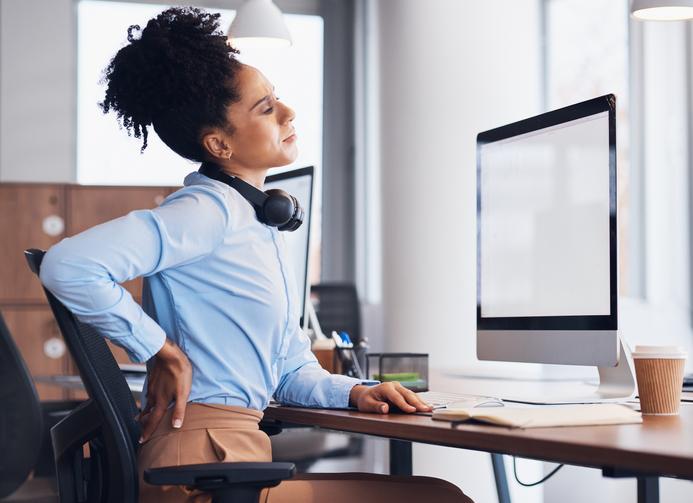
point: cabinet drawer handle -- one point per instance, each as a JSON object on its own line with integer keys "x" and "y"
{"x": 54, "y": 348}
{"x": 53, "y": 225}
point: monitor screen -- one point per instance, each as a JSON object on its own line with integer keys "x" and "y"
{"x": 545, "y": 225}
{"x": 299, "y": 183}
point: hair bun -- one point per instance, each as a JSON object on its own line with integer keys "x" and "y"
{"x": 164, "y": 68}
{"x": 182, "y": 22}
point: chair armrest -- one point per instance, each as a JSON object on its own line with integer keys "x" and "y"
{"x": 271, "y": 427}
{"x": 211, "y": 476}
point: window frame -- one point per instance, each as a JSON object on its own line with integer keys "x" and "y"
{"x": 689, "y": 123}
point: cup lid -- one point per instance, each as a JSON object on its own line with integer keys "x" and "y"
{"x": 659, "y": 352}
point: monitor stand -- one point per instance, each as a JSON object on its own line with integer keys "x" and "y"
{"x": 616, "y": 384}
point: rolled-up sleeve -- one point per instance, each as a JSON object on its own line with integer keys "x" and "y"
{"x": 305, "y": 383}
{"x": 85, "y": 271}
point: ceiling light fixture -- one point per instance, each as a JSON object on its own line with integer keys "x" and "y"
{"x": 662, "y": 10}
{"x": 259, "y": 23}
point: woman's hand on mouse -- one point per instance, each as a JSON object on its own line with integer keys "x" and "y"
{"x": 378, "y": 398}
{"x": 169, "y": 380}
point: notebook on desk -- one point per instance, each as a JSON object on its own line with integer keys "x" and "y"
{"x": 543, "y": 417}
{"x": 442, "y": 400}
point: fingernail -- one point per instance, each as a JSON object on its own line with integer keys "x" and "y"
{"x": 383, "y": 408}
{"x": 177, "y": 423}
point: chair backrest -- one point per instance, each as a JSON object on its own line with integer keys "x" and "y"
{"x": 21, "y": 418}
{"x": 337, "y": 308}
{"x": 105, "y": 384}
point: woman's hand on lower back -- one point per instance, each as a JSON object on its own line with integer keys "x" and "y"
{"x": 379, "y": 398}
{"x": 169, "y": 380}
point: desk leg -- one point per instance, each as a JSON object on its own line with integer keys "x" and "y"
{"x": 400, "y": 457}
{"x": 500, "y": 477}
{"x": 648, "y": 489}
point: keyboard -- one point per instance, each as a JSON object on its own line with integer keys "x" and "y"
{"x": 439, "y": 400}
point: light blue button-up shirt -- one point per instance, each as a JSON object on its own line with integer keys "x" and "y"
{"x": 217, "y": 282}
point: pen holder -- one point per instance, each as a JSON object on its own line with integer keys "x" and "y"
{"x": 329, "y": 360}
{"x": 409, "y": 369}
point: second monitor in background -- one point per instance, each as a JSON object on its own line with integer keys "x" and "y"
{"x": 299, "y": 183}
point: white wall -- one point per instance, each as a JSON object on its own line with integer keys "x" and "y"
{"x": 448, "y": 70}
{"x": 37, "y": 90}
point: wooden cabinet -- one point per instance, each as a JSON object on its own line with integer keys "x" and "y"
{"x": 38, "y": 216}
{"x": 92, "y": 205}
{"x": 39, "y": 341}
{"x": 31, "y": 216}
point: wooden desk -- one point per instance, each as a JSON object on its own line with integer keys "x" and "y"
{"x": 661, "y": 446}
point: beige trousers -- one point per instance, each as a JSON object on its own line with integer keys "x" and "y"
{"x": 221, "y": 433}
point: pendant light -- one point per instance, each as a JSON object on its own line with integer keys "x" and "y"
{"x": 259, "y": 23}
{"x": 662, "y": 10}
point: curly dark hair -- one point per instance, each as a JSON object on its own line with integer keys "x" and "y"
{"x": 178, "y": 74}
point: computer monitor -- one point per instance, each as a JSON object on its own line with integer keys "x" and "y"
{"x": 299, "y": 183}
{"x": 546, "y": 241}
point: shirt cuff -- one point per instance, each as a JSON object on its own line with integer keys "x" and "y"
{"x": 146, "y": 341}
{"x": 341, "y": 388}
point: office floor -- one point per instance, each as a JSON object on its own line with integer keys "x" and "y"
{"x": 374, "y": 458}
{"x": 350, "y": 464}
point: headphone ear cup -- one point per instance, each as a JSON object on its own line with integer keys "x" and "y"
{"x": 296, "y": 219}
{"x": 279, "y": 208}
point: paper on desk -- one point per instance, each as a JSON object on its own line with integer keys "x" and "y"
{"x": 544, "y": 416}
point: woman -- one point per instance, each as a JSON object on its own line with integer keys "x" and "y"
{"x": 219, "y": 328}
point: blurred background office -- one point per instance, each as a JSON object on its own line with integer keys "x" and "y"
{"x": 389, "y": 96}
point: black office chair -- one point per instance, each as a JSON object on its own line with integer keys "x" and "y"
{"x": 337, "y": 308}
{"x": 107, "y": 423}
{"x": 21, "y": 417}
{"x": 25, "y": 424}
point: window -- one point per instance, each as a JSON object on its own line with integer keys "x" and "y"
{"x": 665, "y": 78}
{"x": 107, "y": 156}
{"x": 593, "y": 47}
{"x": 102, "y": 31}
{"x": 586, "y": 55}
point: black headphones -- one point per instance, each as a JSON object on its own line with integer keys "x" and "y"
{"x": 275, "y": 207}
